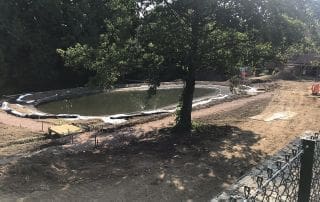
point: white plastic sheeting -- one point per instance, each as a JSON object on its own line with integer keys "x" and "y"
{"x": 5, "y": 106}
{"x": 20, "y": 99}
{"x": 250, "y": 90}
{"x": 114, "y": 119}
{"x": 206, "y": 101}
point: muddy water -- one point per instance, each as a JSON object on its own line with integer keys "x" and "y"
{"x": 120, "y": 102}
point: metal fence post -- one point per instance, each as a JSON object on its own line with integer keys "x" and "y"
{"x": 306, "y": 170}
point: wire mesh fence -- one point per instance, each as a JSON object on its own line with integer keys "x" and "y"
{"x": 292, "y": 176}
{"x": 281, "y": 182}
{"x": 315, "y": 185}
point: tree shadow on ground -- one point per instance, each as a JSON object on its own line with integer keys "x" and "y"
{"x": 157, "y": 166}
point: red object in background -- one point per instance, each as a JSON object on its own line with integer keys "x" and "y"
{"x": 315, "y": 89}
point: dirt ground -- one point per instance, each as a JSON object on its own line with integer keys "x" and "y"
{"x": 148, "y": 163}
{"x": 24, "y": 123}
{"x": 16, "y": 141}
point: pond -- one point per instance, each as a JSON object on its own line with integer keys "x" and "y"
{"x": 120, "y": 102}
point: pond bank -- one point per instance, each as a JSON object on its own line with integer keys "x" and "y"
{"x": 25, "y": 105}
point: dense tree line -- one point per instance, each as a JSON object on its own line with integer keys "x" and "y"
{"x": 62, "y": 43}
{"x": 30, "y": 33}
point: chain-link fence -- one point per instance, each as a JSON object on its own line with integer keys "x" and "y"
{"x": 315, "y": 184}
{"x": 292, "y": 175}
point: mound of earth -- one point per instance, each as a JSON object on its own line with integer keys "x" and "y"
{"x": 286, "y": 75}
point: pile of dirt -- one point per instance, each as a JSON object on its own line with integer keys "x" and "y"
{"x": 287, "y": 74}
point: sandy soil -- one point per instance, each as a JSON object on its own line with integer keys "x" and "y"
{"x": 27, "y": 124}
{"x": 16, "y": 141}
{"x": 220, "y": 108}
{"x": 148, "y": 163}
{"x": 293, "y": 97}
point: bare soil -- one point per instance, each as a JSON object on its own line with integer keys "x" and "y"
{"x": 27, "y": 124}
{"x": 18, "y": 140}
{"x": 148, "y": 163}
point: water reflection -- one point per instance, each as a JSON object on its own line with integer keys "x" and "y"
{"x": 120, "y": 102}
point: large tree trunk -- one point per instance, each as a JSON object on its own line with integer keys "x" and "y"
{"x": 184, "y": 122}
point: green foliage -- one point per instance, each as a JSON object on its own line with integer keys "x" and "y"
{"x": 156, "y": 39}
{"x": 75, "y": 56}
{"x": 305, "y": 47}
{"x": 30, "y": 33}
{"x": 118, "y": 50}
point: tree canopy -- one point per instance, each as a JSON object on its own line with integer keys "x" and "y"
{"x": 30, "y": 33}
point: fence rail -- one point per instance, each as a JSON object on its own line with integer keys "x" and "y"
{"x": 292, "y": 176}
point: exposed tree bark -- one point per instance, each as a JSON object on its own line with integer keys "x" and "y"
{"x": 184, "y": 121}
